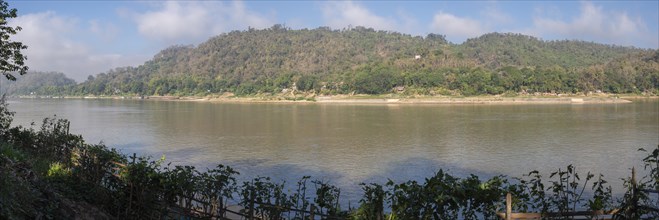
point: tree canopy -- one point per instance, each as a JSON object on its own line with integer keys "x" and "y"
{"x": 363, "y": 60}
{"x": 11, "y": 58}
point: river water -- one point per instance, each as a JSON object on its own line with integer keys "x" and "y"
{"x": 349, "y": 144}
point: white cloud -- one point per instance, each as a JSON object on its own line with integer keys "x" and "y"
{"x": 191, "y": 22}
{"x": 79, "y": 48}
{"x": 595, "y": 24}
{"x": 54, "y": 45}
{"x": 409, "y": 24}
{"x": 456, "y": 28}
{"x": 343, "y": 14}
{"x": 106, "y": 31}
{"x": 494, "y": 16}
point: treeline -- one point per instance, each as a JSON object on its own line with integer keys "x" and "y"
{"x": 38, "y": 83}
{"x": 50, "y": 173}
{"x": 362, "y": 60}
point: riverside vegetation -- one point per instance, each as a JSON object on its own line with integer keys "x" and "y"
{"x": 52, "y": 174}
{"x": 279, "y": 61}
{"x": 49, "y": 173}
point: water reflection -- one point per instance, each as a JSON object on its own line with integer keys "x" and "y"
{"x": 348, "y": 144}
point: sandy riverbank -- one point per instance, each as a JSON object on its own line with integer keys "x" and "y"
{"x": 345, "y": 99}
{"x": 479, "y": 100}
{"x": 391, "y": 99}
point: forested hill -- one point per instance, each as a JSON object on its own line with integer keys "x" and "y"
{"x": 496, "y": 50}
{"x": 38, "y": 83}
{"x": 363, "y": 60}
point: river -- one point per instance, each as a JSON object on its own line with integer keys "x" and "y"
{"x": 346, "y": 144}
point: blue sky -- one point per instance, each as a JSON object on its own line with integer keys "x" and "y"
{"x": 82, "y": 38}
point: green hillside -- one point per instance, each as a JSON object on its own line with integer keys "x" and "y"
{"x": 496, "y": 49}
{"x": 363, "y": 60}
{"x": 38, "y": 83}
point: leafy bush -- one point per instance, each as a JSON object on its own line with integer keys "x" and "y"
{"x": 217, "y": 186}
{"x": 327, "y": 197}
{"x": 372, "y": 202}
{"x": 6, "y": 117}
{"x": 634, "y": 197}
{"x": 58, "y": 170}
{"x": 17, "y": 197}
{"x": 261, "y": 191}
{"x": 446, "y": 197}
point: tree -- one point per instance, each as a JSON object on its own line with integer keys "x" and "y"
{"x": 307, "y": 83}
{"x": 11, "y": 58}
{"x": 6, "y": 117}
{"x": 375, "y": 80}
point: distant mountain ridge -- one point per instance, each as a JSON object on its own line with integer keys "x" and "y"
{"x": 363, "y": 60}
{"x": 50, "y": 83}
